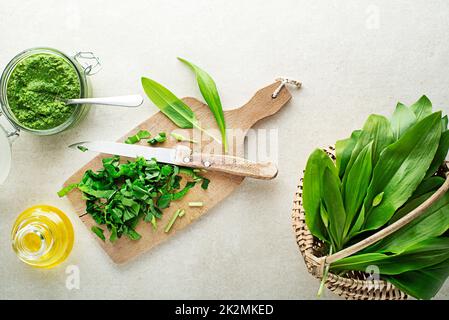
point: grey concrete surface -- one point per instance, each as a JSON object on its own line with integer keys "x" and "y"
{"x": 354, "y": 58}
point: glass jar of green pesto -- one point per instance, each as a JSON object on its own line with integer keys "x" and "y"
{"x": 35, "y": 84}
{"x": 33, "y": 88}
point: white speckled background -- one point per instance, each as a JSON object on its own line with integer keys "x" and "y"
{"x": 354, "y": 58}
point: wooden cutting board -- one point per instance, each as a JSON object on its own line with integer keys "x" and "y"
{"x": 260, "y": 106}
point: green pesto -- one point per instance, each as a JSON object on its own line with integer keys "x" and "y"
{"x": 37, "y": 89}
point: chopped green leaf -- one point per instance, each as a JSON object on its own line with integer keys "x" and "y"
{"x": 64, "y": 191}
{"x": 99, "y": 232}
{"x": 133, "y": 235}
{"x": 142, "y": 134}
{"x": 160, "y": 138}
{"x": 120, "y": 195}
{"x": 154, "y": 223}
{"x": 205, "y": 184}
{"x": 164, "y": 200}
{"x": 183, "y": 192}
{"x": 113, "y": 237}
{"x": 181, "y": 138}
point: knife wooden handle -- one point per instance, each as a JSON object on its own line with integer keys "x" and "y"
{"x": 236, "y": 166}
{"x": 227, "y": 164}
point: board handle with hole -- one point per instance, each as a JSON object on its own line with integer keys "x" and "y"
{"x": 260, "y": 106}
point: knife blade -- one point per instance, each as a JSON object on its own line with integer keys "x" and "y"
{"x": 183, "y": 156}
{"x": 165, "y": 155}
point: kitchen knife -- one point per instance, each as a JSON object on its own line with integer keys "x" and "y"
{"x": 183, "y": 156}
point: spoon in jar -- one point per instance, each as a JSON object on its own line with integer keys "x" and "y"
{"x": 119, "y": 101}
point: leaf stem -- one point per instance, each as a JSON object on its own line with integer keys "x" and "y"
{"x": 323, "y": 280}
{"x": 207, "y": 133}
{"x": 196, "y": 204}
{"x": 178, "y": 213}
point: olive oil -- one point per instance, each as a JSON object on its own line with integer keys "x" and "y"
{"x": 42, "y": 236}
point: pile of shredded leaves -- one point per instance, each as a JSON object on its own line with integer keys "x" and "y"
{"x": 120, "y": 195}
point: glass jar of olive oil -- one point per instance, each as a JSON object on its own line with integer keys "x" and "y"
{"x": 42, "y": 236}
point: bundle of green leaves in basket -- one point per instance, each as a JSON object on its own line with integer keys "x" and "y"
{"x": 381, "y": 173}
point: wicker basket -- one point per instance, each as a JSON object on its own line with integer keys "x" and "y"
{"x": 354, "y": 285}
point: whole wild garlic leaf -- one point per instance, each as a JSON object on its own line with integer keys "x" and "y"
{"x": 422, "y": 108}
{"x": 427, "y": 185}
{"x": 444, "y": 123}
{"x": 424, "y": 283}
{"x": 432, "y": 224}
{"x": 400, "y": 169}
{"x": 356, "y": 185}
{"x": 411, "y": 204}
{"x": 402, "y": 119}
{"x": 174, "y": 108}
{"x": 313, "y": 183}
{"x": 324, "y": 215}
{"x": 210, "y": 94}
{"x": 333, "y": 203}
{"x": 343, "y": 151}
{"x": 170, "y": 105}
{"x": 358, "y": 224}
{"x": 377, "y": 129}
{"x": 440, "y": 154}
{"x": 420, "y": 255}
{"x": 443, "y": 148}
